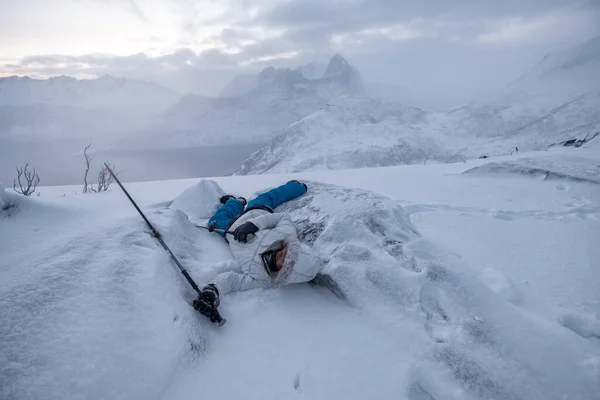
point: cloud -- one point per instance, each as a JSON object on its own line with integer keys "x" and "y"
{"x": 552, "y": 26}
{"x": 135, "y": 9}
{"x": 449, "y": 48}
{"x": 131, "y": 6}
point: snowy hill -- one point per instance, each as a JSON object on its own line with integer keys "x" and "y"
{"x": 93, "y": 93}
{"x": 438, "y": 285}
{"x": 351, "y": 133}
{"x": 281, "y": 97}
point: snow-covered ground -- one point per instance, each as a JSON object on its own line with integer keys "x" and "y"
{"x": 449, "y": 286}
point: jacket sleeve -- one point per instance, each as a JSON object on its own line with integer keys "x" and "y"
{"x": 229, "y": 282}
{"x": 267, "y": 221}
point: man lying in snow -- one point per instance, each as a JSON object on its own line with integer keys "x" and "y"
{"x": 265, "y": 246}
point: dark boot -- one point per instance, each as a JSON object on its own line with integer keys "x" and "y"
{"x": 224, "y": 199}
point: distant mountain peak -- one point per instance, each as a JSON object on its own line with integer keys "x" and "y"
{"x": 86, "y": 93}
{"x": 337, "y": 65}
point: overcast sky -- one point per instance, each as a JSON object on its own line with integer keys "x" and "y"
{"x": 451, "y": 50}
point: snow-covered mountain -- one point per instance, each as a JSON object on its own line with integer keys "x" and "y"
{"x": 240, "y": 85}
{"x": 63, "y": 107}
{"x": 313, "y": 70}
{"x": 282, "y": 96}
{"x": 351, "y": 133}
{"x": 558, "y": 99}
{"x": 547, "y": 105}
{"x": 392, "y": 93}
{"x": 243, "y": 84}
{"x": 105, "y": 91}
{"x": 569, "y": 72}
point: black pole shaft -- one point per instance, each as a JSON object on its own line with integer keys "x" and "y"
{"x": 214, "y": 230}
{"x": 215, "y": 317}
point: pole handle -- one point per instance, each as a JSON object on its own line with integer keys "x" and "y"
{"x": 216, "y": 317}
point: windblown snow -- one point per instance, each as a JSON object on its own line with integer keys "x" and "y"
{"x": 437, "y": 285}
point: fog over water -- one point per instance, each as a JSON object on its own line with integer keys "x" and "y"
{"x": 62, "y": 162}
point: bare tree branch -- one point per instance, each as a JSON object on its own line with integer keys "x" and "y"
{"x": 105, "y": 179}
{"x": 32, "y": 179}
{"x": 88, "y": 160}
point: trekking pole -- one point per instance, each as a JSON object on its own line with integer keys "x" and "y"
{"x": 224, "y": 231}
{"x": 214, "y": 230}
{"x": 215, "y": 317}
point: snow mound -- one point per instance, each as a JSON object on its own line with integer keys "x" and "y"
{"x": 562, "y": 168}
{"x": 7, "y": 200}
{"x": 584, "y": 326}
{"x": 481, "y": 345}
{"x": 4, "y": 200}
{"x": 199, "y": 201}
{"x": 91, "y": 307}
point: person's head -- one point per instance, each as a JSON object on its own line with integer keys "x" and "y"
{"x": 274, "y": 256}
{"x": 280, "y": 257}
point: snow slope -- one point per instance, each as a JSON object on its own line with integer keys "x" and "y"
{"x": 351, "y": 133}
{"x": 450, "y": 285}
{"x": 558, "y": 99}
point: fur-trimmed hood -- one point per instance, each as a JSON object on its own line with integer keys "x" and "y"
{"x": 301, "y": 264}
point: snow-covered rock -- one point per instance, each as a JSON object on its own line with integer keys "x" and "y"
{"x": 9, "y": 201}
{"x": 199, "y": 201}
{"x": 339, "y": 70}
{"x": 4, "y": 199}
{"x": 351, "y": 133}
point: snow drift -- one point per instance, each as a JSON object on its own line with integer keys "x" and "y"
{"x": 101, "y": 313}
